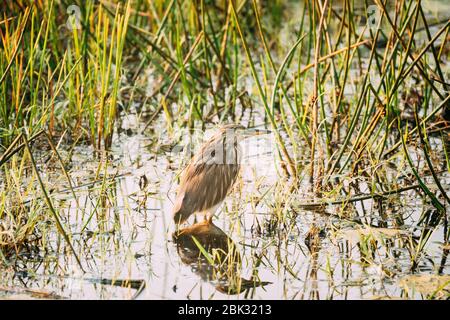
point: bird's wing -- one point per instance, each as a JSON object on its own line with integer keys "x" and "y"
{"x": 204, "y": 186}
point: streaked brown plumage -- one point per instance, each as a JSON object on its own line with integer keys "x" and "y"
{"x": 211, "y": 173}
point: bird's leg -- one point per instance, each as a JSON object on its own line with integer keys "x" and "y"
{"x": 208, "y": 217}
{"x": 209, "y": 214}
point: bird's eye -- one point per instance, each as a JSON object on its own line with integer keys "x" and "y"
{"x": 213, "y": 153}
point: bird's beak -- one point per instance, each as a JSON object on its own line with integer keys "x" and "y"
{"x": 256, "y": 132}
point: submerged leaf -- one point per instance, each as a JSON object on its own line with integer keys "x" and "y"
{"x": 354, "y": 235}
{"x": 432, "y": 285}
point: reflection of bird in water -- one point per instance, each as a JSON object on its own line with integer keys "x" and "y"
{"x": 213, "y": 256}
{"x": 211, "y": 173}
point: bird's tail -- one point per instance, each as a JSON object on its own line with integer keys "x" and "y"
{"x": 180, "y": 214}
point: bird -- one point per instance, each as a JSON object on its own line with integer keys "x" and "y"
{"x": 211, "y": 173}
